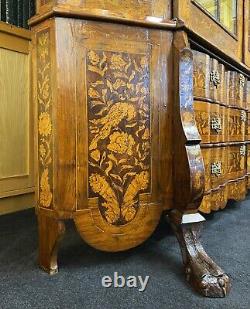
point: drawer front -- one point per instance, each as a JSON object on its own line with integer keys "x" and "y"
{"x": 236, "y": 190}
{"x": 215, "y": 200}
{"x": 201, "y": 75}
{"x": 240, "y": 91}
{"x": 202, "y": 118}
{"x": 236, "y": 124}
{"x": 211, "y": 120}
{"x": 218, "y": 166}
{"x": 215, "y": 162}
{"x": 237, "y": 155}
{"x": 217, "y": 123}
{"x": 209, "y": 78}
{"x": 248, "y": 126}
{"x": 248, "y": 158}
{"x": 232, "y": 81}
{"x": 216, "y": 81}
{"x": 237, "y": 89}
{"x": 219, "y": 198}
{"x": 248, "y": 95}
{"x": 206, "y": 154}
{"x": 222, "y": 113}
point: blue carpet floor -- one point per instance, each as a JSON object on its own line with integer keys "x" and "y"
{"x": 226, "y": 238}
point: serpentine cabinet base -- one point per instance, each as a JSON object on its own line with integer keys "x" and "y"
{"x": 111, "y": 95}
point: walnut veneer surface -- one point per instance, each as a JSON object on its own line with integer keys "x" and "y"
{"x": 221, "y": 113}
{"x": 137, "y": 116}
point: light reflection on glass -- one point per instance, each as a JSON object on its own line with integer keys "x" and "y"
{"x": 225, "y": 11}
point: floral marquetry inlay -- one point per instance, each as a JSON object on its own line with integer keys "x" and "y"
{"x": 119, "y": 132}
{"x": 44, "y": 119}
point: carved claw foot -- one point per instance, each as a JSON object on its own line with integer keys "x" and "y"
{"x": 201, "y": 271}
{"x": 208, "y": 280}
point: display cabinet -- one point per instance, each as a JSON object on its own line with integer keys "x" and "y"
{"x": 140, "y": 113}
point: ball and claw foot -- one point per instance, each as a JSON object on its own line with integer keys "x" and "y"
{"x": 201, "y": 271}
{"x": 208, "y": 284}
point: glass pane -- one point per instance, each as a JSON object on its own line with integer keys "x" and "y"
{"x": 225, "y": 11}
{"x": 210, "y": 6}
{"x": 228, "y": 14}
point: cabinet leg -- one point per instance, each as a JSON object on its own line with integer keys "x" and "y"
{"x": 50, "y": 234}
{"x": 201, "y": 271}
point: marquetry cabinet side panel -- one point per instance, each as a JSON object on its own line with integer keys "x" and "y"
{"x": 103, "y": 126}
{"x": 123, "y": 136}
{"x": 44, "y": 86}
{"x": 67, "y": 132}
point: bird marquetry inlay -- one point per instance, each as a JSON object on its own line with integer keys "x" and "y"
{"x": 119, "y": 145}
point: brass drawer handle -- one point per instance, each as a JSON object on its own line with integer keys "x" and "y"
{"x": 216, "y": 168}
{"x": 216, "y": 124}
{"x": 243, "y": 116}
{"x": 243, "y": 150}
{"x": 242, "y": 80}
{"x": 215, "y": 78}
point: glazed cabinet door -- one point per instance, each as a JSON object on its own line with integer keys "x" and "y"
{"x": 218, "y": 22}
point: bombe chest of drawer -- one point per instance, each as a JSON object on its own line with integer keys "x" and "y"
{"x": 113, "y": 88}
{"x": 221, "y": 113}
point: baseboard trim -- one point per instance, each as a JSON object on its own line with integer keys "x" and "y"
{"x": 16, "y": 203}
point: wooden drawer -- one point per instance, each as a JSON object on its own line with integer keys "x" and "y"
{"x": 201, "y": 75}
{"x": 217, "y": 80}
{"x": 219, "y": 198}
{"x": 232, "y": 81}
{"x": 218, "y": 166}
{"x": 248, "y": 158}
{"x": 248, "y": 95}
{"x": 237, "y": 89}
{"x": 240, "y": 90}
{"x": 209, "y": 78}
{"x": 236, "y": 190}
{"x": 202, "y": 117}
{"x": 211, "y": 120}
{"x": 206, "y": 154}
{"x": 248, "y": 126}
{"x": 215, "y": 200}
{"x": 218, "y": 119}
{"x": 236, "y": 161}
{"x": 215, "y": 162}
{"x": 236, "y": 124}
